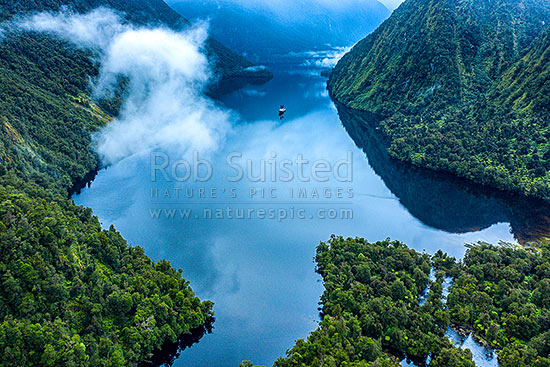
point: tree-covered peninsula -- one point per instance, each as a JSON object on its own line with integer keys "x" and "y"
{"x": 372, "y": 313}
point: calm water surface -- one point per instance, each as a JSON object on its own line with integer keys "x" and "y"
{"x": 259, "y": 272}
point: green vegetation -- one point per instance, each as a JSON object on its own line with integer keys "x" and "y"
{"x": 460, "y": 86}
{"x": 43, "y": 79}
{"x": 503, "y": 294}
{"x": 46, "y": 134}
{"x": 136, "y": 11}
{"x": 72, "y": 293}
{"x": 371, "y": 312}
{"x": 227, "y": 64}
{"x": 370, "y": 305}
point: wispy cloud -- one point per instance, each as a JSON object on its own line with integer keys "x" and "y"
{"x": 323, "y": 59}
{"x": 167, "y": 74}
{"x": 329, "y": 59}
{"x": 94, "y": 29}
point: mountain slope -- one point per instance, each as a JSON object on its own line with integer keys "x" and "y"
{"x": 145, "y": 12}
{"x": 53, "y": 76}
{"x": 525, "y": 87}
{"x": 46, "y": 131}
{"x": 446, "y": 77}
{"x": 137, "y": 11}
{"x": 72, "y": 293}
{"x": 433, "y": 51}
{"x": 265, "y": 30}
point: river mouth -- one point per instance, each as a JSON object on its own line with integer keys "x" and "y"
{"x": 258, "y": 270}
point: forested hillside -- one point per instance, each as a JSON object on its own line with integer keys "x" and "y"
{"x": 525, "y": 87}
{"x": 460, "y": 87}
{"x": 227, "y": 63}
{"x": 372, "y": 312}
{"x": 72, "y": 294}
{"x": 137, "y": 11}
{"x": 46, "y": 119}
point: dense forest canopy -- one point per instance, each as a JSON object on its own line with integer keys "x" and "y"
{"x": 372, "y": 314}
{"x": 46, "y": 127}
{"x": 475, "y": 102}
{"x": 72, "y": 293}
{"x": 461, "y": 86}
{"x": 75, "y": 295}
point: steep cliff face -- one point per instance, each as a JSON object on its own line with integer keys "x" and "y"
{"x": 525, "y": 87}
{"x": 462, "y": 87}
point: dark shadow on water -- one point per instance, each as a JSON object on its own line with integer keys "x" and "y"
{"x": 86, "y": 181}
{"x": 441, "y": 200}
{"x": 169, "y": 352}
{"x": 233, "y": 83}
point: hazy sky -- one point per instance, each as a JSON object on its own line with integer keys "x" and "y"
{"x": 278, "y": 4}
{"x": 391, "y": 4}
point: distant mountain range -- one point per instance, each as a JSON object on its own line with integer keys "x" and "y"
{"x": 261, "y": 30}
{"x": 461, "y": 86}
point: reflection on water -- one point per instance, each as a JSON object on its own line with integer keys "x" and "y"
{"x": 259, "y": 272}
{"x": 443, "y": 201}
{"x": 482, "y": 356}
{"x": 169, "y": 352}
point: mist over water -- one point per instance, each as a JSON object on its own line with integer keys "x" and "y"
{"x": 263, "y": 30}
{"x": 166, "y": 74}
{"x": 165, "y": 107}
{"x": 260, "y": 272}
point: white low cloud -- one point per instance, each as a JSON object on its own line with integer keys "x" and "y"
{"x": 167, "y": 73}
{"x": 94, "y": 29}
{"x": 391, "y": 4}
{"x": 326, "y": 59}
{"x": 329, "y": 59}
